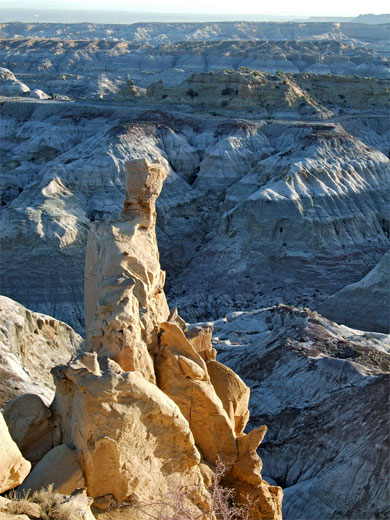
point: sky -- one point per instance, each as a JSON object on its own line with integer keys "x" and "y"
{"x": 275, "y": 7}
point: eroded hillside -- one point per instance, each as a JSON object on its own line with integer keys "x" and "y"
{"x": 275, "y": 142}
{"x": 284, "y": 211}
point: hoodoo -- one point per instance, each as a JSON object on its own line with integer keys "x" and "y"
{"x": 148, "y": 410}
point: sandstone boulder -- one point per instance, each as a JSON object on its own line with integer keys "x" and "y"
{"x": 30, "y": 425}
{"x": 133, "y": 439}
{"x": 60, "y": 467}
{"x": 14, "y": 468}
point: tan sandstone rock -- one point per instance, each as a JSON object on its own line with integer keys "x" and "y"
{"x": 182, "y": 374}
{"x": 30, "y": 425}
{"x": 60, "y": 467}
{"x": 132, "y": 437}
{"x": 124, "y": 297}
{"x": 217, "y": 421}
{"x": 138, "y": 441}
{"x": 233, "y": 393}
{"x": 14, "y": 468}
{"x": 200, "y": 339}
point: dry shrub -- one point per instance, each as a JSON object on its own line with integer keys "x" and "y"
{"x": 176, "y": 504}
{"x": 52, "y": 506}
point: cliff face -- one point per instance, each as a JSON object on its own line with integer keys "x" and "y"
{"x": 149, "y": 406}
{"x": 241, "y": 90}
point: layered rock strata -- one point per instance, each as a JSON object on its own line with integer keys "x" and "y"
{"x": 241, "y": 90}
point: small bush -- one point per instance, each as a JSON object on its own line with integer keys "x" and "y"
{"x": 192, "y": 93}
{"x": 176, "y": 504}
{"x": 51, "y": 504}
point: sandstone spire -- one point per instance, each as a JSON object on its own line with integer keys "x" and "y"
{"x": 124, "y": 297}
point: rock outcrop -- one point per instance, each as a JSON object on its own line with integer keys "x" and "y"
{"x": 132, "y": 438}
{"x": 30, "y": 345}
{"x": 241, "y": 90}
{"x": 217, "y": 425}
{"x": 31, "y": 426}
{"x": 148, "y": 406}
{"x": 14, "y": 468}
{"x": 10, "y": 86}
{"x": 60, "y": 468}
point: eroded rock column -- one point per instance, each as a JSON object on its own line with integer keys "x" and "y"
{"x": 124, "y": 297}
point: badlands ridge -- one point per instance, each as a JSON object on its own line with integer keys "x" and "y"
{"x": 273, "y": 220}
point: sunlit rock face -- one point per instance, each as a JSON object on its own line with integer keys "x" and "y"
{"x": 124, "y": 285}
{"x": 14, "y": 467}
{"x": 145, "y": 405}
